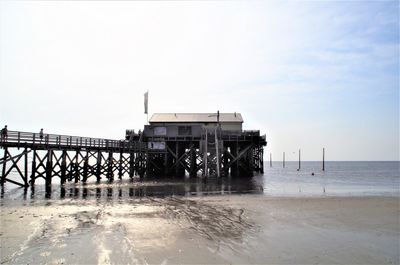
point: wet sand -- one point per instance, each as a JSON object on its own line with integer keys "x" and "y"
{"x": 206, "y": 229}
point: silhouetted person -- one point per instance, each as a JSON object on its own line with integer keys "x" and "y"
{"x": 4, "y": 134}
{"x": 41, "y": 135}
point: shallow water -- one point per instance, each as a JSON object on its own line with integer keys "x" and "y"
{"x": 339, "y": 179}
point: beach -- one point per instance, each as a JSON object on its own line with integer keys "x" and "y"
{"x": 240, "y": 228}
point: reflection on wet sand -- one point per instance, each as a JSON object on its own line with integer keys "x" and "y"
{"x": 146, "y": 226}
{"x": 144, "y": 221}
{"x": 144, "y": 188}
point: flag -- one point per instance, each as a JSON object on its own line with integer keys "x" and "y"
{"x": 146, "y": 102}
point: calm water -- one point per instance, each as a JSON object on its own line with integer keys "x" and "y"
{"x": 339, "y": 179}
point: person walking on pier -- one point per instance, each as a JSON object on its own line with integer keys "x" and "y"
{"x": 4, "y": 134}
{"x": 41, "y": 135}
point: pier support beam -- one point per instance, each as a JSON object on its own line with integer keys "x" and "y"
{"x": 131, "y": 165}
{"x": 233, "y": 164}
{"x": 193, "y": 161}
{"x": 63, "y": 167}
{"x": 110, "y": 173}
{"x": 26, "y": 183}
{"x": 98, "y": 166}
{"x": 49, "y": 168}
{"x": 76, "y": 167}
{"x": 85, "y": 167}
{"x": 120, "y": 166}
{"x": 33, "y": 172}
{"x": 3, "y": 172}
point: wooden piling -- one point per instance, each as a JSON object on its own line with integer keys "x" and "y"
{"x": 205, "y": 158}
{"x": 262, "y": 159}
{"x": 225, "y": 162}
{"x": 76, "y": 175}
{"x": 120, "y": 162}
{"x": 33, "y": 172}
{"x": 98, "y": 166}
{"x": 63, "y": 167}
{"x": 85, "y": 167}
{"x": 26, "y": 167}
{"x": 193, "y": 163}
{"x": 3, "y": 174}
{"x": 110, "y": 174}
{"x": 283, "y": 161}
{"x": 131, "y": 165}
{"x": 299, "y": 160}
{"x": 49, "y": 168}
{"x": 217, "y": 153}
{"x": 270, "y": 159}
{"x": 323, "y": 159}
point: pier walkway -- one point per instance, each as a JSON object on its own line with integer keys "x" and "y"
{"x": 67, "y": 142}
{"x": 70, "y": 158}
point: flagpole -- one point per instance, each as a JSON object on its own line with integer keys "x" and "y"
{"x": 146, "y": 105}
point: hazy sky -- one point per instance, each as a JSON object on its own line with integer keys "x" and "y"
{"x": 307, "y": 74}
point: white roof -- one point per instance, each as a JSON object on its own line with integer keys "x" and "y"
{"x": 196, "y": 117}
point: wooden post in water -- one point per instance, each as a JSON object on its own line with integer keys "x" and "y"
{"x": 3, "y": 174}
{"x": 26, "y": 168}
{"x": 270, "y": 159}
{"x": 299, "y": 160}
{"x": 283, "y": 161}
{"x": 120, "y": 164}
{"x": 205, "y": 159}
{"x": 131, "y": 164}
{"x": 63, "y": 166}
{"x": 85, "y": 167}
{"x": 110, "y": 173}
{"x": 323, "y": 159}
{"x": 76, "y": 167}
{"x": 33, "y": 173}
{"x": 98, "y": 166}
{"x": 217, "y": 151}
{"x": 49, "y": 168}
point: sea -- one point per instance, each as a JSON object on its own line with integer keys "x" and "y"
{"x": 338, "y": 179}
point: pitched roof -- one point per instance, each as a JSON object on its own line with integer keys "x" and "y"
{"x": 196, "y": 117}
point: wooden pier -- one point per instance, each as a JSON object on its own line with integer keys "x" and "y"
{"x": 213, "y": 153}
{"x": 68, "y": 158}
{"x": 196, "y": 152}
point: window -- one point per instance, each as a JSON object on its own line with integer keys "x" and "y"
{"x": 184, "y": 130}
{"x": 160, "y": 131}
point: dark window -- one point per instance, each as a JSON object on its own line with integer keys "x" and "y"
{"x": 184, "y": 130}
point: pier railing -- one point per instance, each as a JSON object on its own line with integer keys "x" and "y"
{"x": 46, "y": 141}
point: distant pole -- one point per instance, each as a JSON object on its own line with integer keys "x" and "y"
{"x": 299, "y": 159}
{"x": 283, "y": 160}
{"x": 323, "y": 159}
{"x": 270, "y": 159}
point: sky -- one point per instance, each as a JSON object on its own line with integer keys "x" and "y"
{"x": 308, "y": 74}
